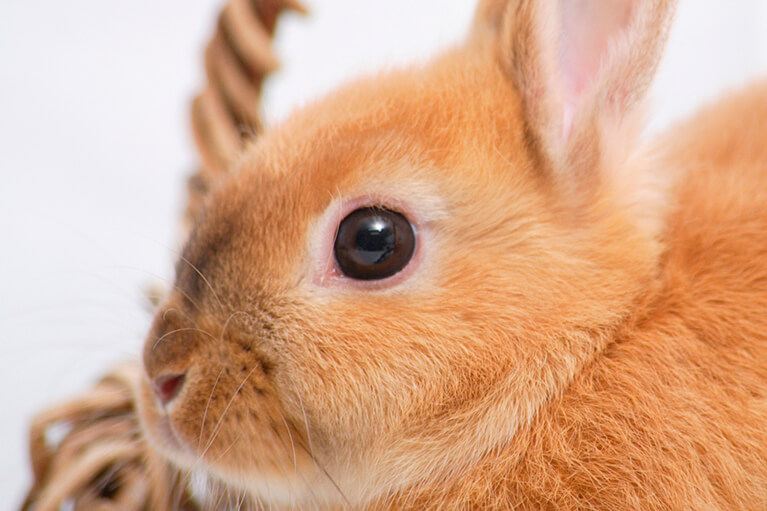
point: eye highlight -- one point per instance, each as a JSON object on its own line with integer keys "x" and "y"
{"x": 374, "y": 243}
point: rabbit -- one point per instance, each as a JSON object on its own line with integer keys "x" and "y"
{"x": 473, "y": 283}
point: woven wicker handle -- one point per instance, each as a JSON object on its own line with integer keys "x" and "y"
{"x": 226, "y": 113}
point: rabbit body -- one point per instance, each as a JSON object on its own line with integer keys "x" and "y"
{"x": 582, "y": 324}
{"x": 672, "y": 414}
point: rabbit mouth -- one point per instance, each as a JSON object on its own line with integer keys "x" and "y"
{"x": 220, "y": 451}
{"x": 160, "y": 430}
{"x": 164, "y": 430}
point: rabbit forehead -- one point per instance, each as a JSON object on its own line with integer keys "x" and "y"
{"x": 444, "y": 113}
{"x": 418, "y": 135}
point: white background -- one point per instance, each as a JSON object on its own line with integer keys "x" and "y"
{"x": 94, "y": 148}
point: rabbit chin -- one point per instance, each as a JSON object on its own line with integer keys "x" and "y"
{"x": 209, "y": 491}
{"x": 219, "y": 467}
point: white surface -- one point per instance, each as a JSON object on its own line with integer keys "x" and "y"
{"x": 94, "y": 148}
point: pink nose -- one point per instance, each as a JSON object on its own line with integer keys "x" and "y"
{"x": 167, "y": 386}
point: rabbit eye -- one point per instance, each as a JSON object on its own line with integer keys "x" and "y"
{"x": 374, "y": 243}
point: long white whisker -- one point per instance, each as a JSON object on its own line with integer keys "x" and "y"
{"x": 186, "y": 329}
{"x": 306, "y": 423}
{"x": 223, "y": 414}
{"x": 296, "y": 470}
{"x": 223, "y": 453}
{"x": 327, "y": 474}
{"x": 213, "y": 291}
{"x": 226, "y": 323}
{"x": 292, "y": 444}
{"x": 207, "y": 406}
{"x": 283, "y": 466}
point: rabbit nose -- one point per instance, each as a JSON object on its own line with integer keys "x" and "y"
{"x": 167, "y": 386}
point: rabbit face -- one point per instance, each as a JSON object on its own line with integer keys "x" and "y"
{"x": 292, "y": 369}
{"x": 278, "y": 372}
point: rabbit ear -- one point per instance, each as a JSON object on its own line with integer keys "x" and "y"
{"x": 581, "y": 67}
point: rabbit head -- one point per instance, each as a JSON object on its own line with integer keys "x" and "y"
{"x": 393, "y": 281}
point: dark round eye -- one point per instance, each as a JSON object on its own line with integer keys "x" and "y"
{"x": 374, "y": 243}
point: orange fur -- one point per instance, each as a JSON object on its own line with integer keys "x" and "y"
{"x": 586, "y": 328}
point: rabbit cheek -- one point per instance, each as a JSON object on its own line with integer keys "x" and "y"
{"x": 233, "y": 421}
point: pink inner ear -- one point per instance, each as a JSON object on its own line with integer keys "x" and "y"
{"x": 587, "y": 27}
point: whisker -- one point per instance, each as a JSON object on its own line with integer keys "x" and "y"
{"x": 298, "y": 472}
{"x": 306, "y": 424}
{"x": 204, "y": 279}
{"x": 218, "y": 425}
{"x": 207, "y": 406}
{"x": 180, "y": 312}
{"x": 292, "y": 444}
{"x": 283, "y": 466}
{"x": 158, "y": 277}
{"x": 237, "y": 438}
{"x": 310, "y": 450}
{"x": 226, "y": 323}
{"x": 330, "y": 478}
{"x": 188, "y": 297}
{"x": 166, "y": 334}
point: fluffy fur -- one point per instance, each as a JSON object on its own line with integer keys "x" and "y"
{"x": 583, "y": 327}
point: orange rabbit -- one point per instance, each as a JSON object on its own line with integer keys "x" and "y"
{"x": 471, "y": 285}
